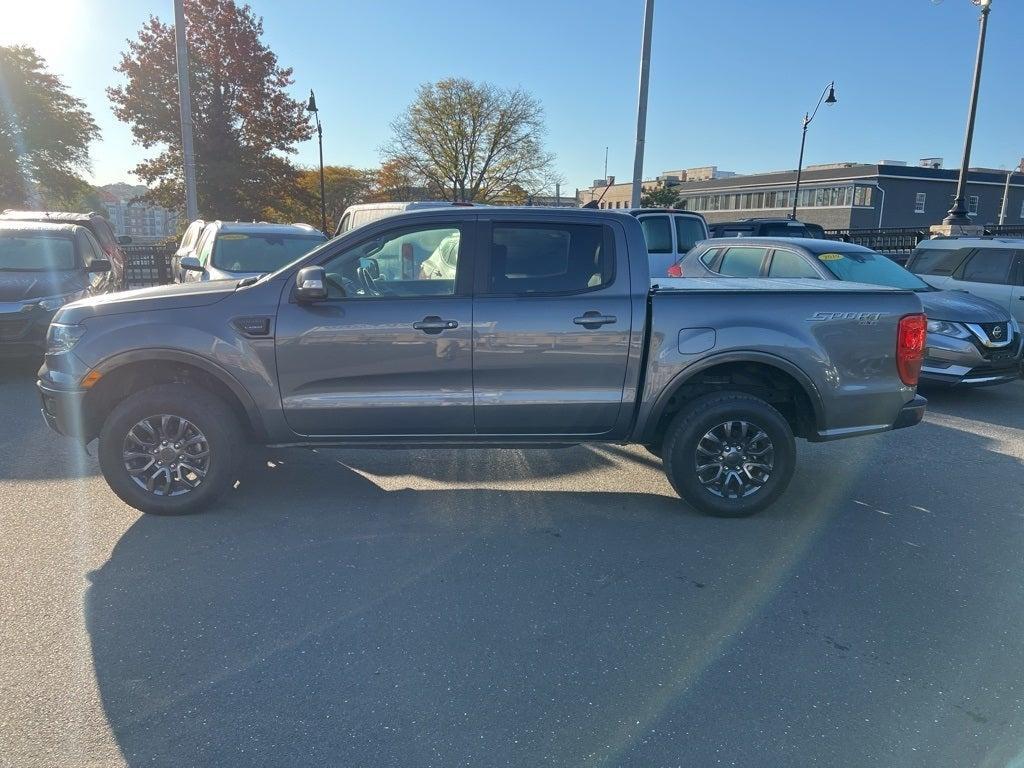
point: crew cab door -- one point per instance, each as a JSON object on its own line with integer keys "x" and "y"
{"x": 551, "y": 328}
{"x": 389, "y": 351}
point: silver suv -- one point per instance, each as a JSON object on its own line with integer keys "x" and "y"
{"x": 233, "y": 250}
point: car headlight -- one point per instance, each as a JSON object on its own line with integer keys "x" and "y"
{"x": 1014, "y": 324}
{"x": 53, "y": 303}
{"x": 61, "y": 337}
{"x": 946, "y": 328}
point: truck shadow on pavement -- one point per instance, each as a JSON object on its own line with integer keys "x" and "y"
{"x": 314, "y": 618}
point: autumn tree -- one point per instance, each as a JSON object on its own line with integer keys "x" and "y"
{"x": 45, "y": 133}
{"x": 343, "y": 186}
{"x": 395, "y": 181}
{"x": 244, "y": 122}
{"x": 469, "y": 141}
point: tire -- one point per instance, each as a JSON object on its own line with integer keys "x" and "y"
{"x": 207, "y": 417}
{"x": 752, "y": 489}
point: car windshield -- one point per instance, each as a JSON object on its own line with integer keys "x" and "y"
{"x": 31, "y": 252}
{"x": 261, "y": 252}
{"x": 864, "y": 266}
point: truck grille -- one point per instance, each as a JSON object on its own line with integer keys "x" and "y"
{"x": 13, "y": 329}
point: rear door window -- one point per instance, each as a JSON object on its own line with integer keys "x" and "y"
{"x": 657, "y": 233}
{"x": 989, "y": 265}
{"x": 104, "y": 234}
{"x": 790, "y": 264}
{"x": 532, "y": 259}
{"x": 937, "y": 261}
{"x": 689, "y": 231}
{"x": 742, "y": 262}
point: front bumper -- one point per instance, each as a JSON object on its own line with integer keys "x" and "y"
{"x": 62, "y": 409}
{"x": 964, "y": 363}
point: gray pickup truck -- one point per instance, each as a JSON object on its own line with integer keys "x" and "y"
{"x": 523, "y": 327}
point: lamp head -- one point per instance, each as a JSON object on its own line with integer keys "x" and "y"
{"x": 311, "y": 104}
{"x": 831, "y": 94}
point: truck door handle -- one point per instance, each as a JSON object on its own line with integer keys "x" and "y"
{"x": 594, "y": 320}
{"x": 433, "y": 324}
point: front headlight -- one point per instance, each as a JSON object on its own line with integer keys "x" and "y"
{"x": 1014, "y": 324}
{"x": 946, "y": 328}
{"x": 60, "y": 337}
{"x": 53, "y": 303}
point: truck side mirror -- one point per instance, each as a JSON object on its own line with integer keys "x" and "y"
{"x": 124, "y": 240}
{"x": 100, "y": 265}
{"x": 310, "y": 285}
{"x": 190, "y": 264}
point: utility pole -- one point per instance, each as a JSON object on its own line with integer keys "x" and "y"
{"x": 1006, "y": 195}
{"x": 605, "y": 177}
{"x": 641, "y": 107}
{"x": 558, "y": 194}
{"x": 185, "y": 111}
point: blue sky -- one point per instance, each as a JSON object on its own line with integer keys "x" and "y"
{"x": 730, "y": 79}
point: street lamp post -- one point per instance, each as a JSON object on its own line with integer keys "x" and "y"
{"x": 957, "y": 214}
{"x": 830, "y": 89}
{"x": 311, "y": 107}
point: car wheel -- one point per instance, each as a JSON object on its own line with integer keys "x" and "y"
{"x": 729, "y": 454}
{"x": 170, "y": 449}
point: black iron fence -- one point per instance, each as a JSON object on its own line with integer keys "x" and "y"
{"x": 899, "y": 242}
{"x": 148, "y": 264}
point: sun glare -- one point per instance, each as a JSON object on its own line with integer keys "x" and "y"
{"x": 46, "y": 26}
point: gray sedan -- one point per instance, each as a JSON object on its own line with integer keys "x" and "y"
{"x": 971, "y": 341}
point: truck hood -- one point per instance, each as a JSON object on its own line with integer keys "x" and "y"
{"x": 23, "y": 286}
{"x": 180, "y": 296}
{"x": 957, "y": 306}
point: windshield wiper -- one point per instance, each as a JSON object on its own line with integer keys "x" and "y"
{"x": 247, "y": 281}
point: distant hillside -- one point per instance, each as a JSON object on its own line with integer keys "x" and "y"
{"x": 125, "y": 191}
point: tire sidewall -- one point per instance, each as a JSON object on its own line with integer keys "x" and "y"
{"x": 696, "y": 420}
{"x": 213, "y": 418}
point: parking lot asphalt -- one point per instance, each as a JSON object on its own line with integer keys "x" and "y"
{"x": 522, "y": 608}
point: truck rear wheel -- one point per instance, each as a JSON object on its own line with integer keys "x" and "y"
{"x": 170, "y": 449}
{"x": 729, "y": 454}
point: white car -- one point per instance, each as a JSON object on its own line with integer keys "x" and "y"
{"x": 233, "y": 250}
{"x": 990, "y": 267}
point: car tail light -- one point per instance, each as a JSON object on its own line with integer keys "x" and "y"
{"x": 676, "y": 270}
{"x": 910, "y": 339}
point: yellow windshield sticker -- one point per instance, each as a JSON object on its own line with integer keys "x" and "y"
{"x": 830, "y": 256}
{"x": 233, "y": 236}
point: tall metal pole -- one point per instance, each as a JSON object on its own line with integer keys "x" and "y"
{"x": 185, "y": 111}
{"x": 641, "y": 107}
{"x": 799, "y": 167}
{"x": 1006, "y": 196}
{"x": 958, "y": 212}
{"x": 323, "y": 198}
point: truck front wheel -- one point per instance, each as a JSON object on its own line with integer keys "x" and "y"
{"x": 729, "y": 454}
{"x": 170, "y": 449}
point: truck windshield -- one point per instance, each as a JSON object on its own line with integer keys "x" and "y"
{"x": 29, "y": 252}
{"x": 260, "y": 252}
{"x": 872, "y": 268}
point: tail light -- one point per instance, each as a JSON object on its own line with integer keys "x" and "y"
{"x": 910, "y": 340}
{"x": 675, "y": 270}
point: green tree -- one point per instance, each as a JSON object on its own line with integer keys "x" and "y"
{"x": 661, "y": 196}
{"x": 244, "y": 122}
{"x": 343, "y": 186}
{"x": 45, "y": 132}
{"x": 469, "y": 141}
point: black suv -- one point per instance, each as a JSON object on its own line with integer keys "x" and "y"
{"x": 766, "y": 228}
{"x": 100, "y": 228}
{"x": 42, "y": 268}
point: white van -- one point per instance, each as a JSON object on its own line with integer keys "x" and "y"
{"x": 364, "y": 213}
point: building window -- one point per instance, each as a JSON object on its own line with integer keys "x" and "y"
{"x": 1022, "y": 209}
{"x": 972, "y": 205}
{"x": 919, "y": 200}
